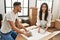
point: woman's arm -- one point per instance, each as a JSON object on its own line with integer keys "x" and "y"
{"x": 48, "y": 21}
{"x": 39, "y": 29}
{"x": 38, "y": 23}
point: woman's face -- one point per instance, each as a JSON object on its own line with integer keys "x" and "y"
{"x": 43, "y": 8}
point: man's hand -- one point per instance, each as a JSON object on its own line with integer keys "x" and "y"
{"x": 20, "y": 25}
{"x": 27, "y": 30}
{"x": 27, "y": 34}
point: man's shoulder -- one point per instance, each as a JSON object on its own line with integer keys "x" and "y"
{"x": 8, "y": 13}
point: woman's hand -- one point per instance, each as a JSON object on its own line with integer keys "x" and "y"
{"x": 38, "y": 29}
{"x": 46, "y": 28}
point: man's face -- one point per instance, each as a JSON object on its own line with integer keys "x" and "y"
{"x": 18, "y": 8}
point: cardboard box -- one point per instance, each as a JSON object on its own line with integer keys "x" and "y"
{"x": 57, "y": 24}
{"x": 53, "y": 23}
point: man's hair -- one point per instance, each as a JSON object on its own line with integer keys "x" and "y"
{"x": 16, "y": 3}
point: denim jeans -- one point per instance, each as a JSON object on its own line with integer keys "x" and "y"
{"x": 9, "y": 36}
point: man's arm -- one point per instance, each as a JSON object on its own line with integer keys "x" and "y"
{"x": 14, "y": 27}
{"x": 20, "y": 25}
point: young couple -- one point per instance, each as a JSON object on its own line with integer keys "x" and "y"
{"x": 9, "y": 30}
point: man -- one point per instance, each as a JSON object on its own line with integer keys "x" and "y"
{"x": 9, "y": 30}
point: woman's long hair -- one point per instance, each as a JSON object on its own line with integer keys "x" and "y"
{"x": 46, "y": 12}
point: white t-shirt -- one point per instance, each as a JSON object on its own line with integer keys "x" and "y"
{"x": 5, "y": 25}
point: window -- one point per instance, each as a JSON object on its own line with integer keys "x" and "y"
{"x": 49, "y": 2}
{"x": 24, "y": 4}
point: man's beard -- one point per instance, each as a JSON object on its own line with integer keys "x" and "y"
{"x": 19, "y": 11}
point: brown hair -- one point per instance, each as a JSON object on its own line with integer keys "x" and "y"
{"x": 46, "y": 12}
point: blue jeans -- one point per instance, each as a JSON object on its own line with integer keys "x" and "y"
{"x": 9, "y": 36}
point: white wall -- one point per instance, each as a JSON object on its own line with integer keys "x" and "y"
{"x": 2, "y": 7}
{"x": 59, "y": 9}
{"x": 32, "y": 3}
{"x": 56, "y": 9}
{"x": 2, "y": 10}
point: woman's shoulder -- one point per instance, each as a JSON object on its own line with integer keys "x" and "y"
{"x": 49, "y": 13}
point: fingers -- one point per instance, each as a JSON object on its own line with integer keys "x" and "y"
{"x": 38, "y": 31}
{"x": 27, "y": 34}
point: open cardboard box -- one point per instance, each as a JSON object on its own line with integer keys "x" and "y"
{"x": 57, "y": 24}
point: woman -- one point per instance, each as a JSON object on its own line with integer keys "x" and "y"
{"x": 43, "y": 18}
